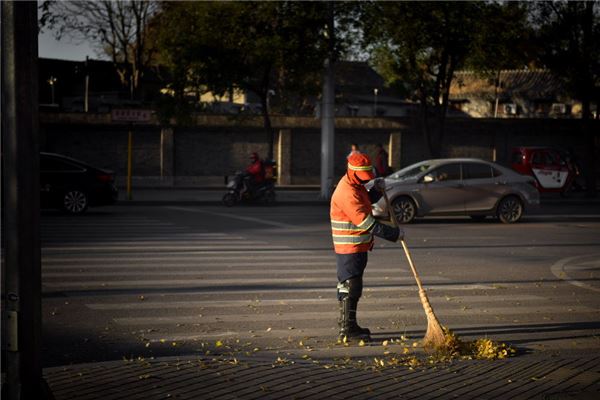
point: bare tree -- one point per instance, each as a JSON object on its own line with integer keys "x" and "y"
{"x": 117, "y": 28}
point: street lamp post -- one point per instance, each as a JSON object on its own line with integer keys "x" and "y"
{"x": 51, "y": 81}
{"x": 375, "y": 91}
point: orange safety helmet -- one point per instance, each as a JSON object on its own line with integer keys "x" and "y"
{"x": 360, "y": 170}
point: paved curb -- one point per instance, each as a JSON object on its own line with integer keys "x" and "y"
{"x": 193, "y": 377}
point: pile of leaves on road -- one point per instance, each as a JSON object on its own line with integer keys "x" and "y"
{"x": 401, "y": 352}
{"x": 480, "y": 349}
{"x": 452, "y": 349}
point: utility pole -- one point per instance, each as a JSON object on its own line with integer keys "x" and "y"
{"x": 21, "y": 305}
{"x": 86, "y": 97}
{"x": 327, "y": 114}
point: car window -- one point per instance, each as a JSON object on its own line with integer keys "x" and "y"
{"x": 52, "y": 164}
{"x": 448, "y": 172}
{"x": 496, "y": 172}
{"x": 538, "y": 158}
{"x": 477, "y": 171}
{"x": 551, "y": 158}
{"x": 410, "y": 172}
{"x": 516, "y": 158}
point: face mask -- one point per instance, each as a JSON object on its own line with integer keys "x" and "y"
{"x": 362, "y": 182}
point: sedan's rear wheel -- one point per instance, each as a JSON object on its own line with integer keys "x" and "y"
{"x": 510, "y": 209}
{"x": 75, "y": 201}
{"x": 405, "y": 209}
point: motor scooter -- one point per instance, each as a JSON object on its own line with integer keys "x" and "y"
{"x": 240, "y": 189}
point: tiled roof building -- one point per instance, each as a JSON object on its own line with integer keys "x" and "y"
{"x": 512, "y": 94}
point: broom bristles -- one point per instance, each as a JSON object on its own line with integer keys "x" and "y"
{"x": 434, "y": 336}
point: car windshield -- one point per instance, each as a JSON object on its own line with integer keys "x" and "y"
{"x": 411, "y": 171}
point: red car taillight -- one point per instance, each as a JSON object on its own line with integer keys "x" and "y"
{"x": 105, "y": 178}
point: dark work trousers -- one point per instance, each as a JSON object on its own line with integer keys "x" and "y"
{"x": 350, "y": 265}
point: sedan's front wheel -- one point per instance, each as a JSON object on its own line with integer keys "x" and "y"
{"x": 404, "y": 209}
{"x": 510, "y": 209}
{"x": 75, "y": 201}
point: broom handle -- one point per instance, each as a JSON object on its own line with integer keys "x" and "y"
{"x": 422, "y": 294}
{"x": 412, "y": 266}
{"x": 395, "y": 224}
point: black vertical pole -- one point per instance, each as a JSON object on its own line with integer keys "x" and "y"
{"x": 21, "y": 323}
{"x": 328, "y": 111}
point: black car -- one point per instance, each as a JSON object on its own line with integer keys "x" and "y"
{"x": 73, "y": 185}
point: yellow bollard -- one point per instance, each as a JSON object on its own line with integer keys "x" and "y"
{"x": 129, "y": 162}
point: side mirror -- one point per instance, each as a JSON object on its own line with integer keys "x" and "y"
{"x": 428, "y": 178}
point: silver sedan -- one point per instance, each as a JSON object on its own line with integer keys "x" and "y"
{"x": 457, "y": 186}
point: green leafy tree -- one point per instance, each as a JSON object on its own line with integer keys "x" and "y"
{"x": 268, "y": 48}
{"x": 417, "y": 46}
{"x": 568, "y": 33}
{"x": 116, "y": 28}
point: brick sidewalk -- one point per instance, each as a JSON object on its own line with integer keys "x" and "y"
{"x": 523, "y": 377}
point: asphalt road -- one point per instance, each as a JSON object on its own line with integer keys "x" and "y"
{"x": 144, "y": 281}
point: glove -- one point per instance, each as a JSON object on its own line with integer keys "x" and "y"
{"x": 379, "y": 184}
{"x": 393, "y": 234}
{"x": 400, "y": 234}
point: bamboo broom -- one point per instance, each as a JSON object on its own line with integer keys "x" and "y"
{"x": 434, "y": 336}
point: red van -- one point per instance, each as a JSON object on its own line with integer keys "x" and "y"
{"x": 552, "y": 172}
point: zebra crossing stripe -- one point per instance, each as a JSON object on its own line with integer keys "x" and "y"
{"x": 215, "y": 282}
{"x": 188, "y": 255}
{"x": 158, "y": 248}
{"x": 201, "y": 271}
{"x": 327, "y": 291}
{"x": 261, "y": 221}
{"x": 291, "y": 316}
{"x": 152, "y": 305}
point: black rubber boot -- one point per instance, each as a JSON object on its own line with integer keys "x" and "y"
{"x": 349, "y": 328}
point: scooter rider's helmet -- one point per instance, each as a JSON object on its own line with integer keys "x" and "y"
{"x": 254, "y": 157}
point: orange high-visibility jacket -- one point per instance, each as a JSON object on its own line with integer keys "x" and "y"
{"x": 351, "y": 218}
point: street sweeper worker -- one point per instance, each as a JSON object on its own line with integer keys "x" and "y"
{"x": 352, "y": 228}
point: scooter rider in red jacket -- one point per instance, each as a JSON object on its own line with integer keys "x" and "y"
{"x": 255, "y": 173}
{"x": 352, "y": 229}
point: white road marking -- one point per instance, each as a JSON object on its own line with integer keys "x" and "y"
{"x": 329, "y": 291}
{"x": 200, "y": 271}
{"x": 160, "y": 305}
{"x": 213, "y": 282}
{"x": 227, "y": 246}
{"x": 558, "y": 269}
{"x": 292, "y": 316}
{"x": 189, "y": 255}
{"x": 201, "y": 266}
{"x": 239, "y": 217}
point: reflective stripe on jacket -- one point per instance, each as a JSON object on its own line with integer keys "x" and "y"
{"x": 351, "y": 218}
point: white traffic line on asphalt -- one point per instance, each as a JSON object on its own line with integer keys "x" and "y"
{"x": 239, "y": 217}
{"x": 562, "y": 216}
{"x": 153, "y": 272}
{"x": 151, "y": 243}
{"x": 189, "y": 255}
{"x": 331, "y": 314}
{"x": 226, "y": 246}
{"x": 558, "y": 269}
{"x": 200, "y": 266}
{"x": 326, "y": 292}
{"x": 159, "y": 305}
{"x": 252, "y": 268}
{"x": 215, "y": 282}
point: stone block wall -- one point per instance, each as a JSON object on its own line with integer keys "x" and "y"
{"x": 204, "y": 154}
